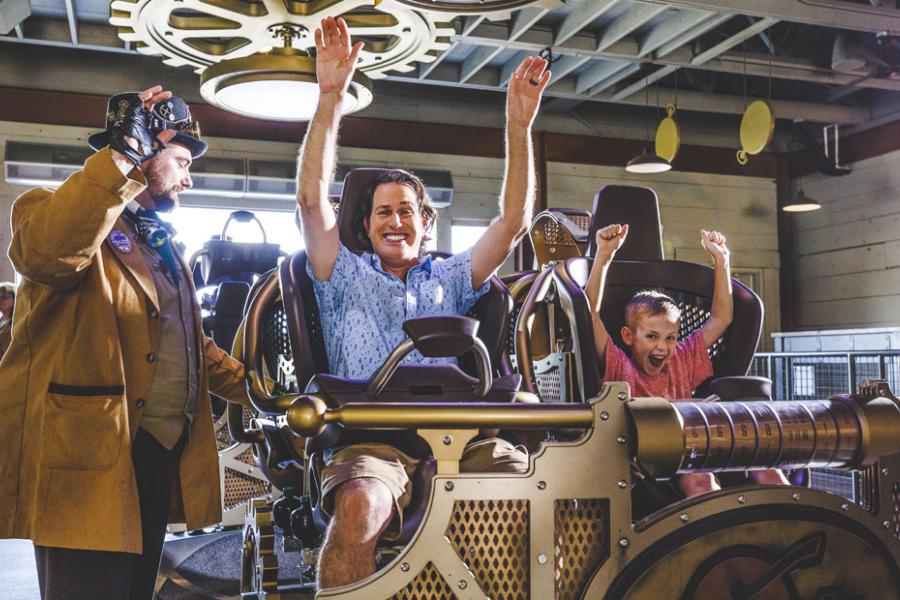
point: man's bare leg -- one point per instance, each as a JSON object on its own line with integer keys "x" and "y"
{"x": 362, "y": 511}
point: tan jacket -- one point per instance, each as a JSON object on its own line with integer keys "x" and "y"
{"x": 5, "y": 335}
{"x": 74, "y": 379}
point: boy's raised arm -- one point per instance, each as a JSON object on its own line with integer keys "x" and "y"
{"x": 609, "y": 240}
{"x": 722, "y": 304}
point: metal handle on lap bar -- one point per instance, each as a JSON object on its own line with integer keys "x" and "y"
{"x": 308, "y": 415}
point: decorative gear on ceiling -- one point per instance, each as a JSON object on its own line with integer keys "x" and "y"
{"x": 200, "y": 33}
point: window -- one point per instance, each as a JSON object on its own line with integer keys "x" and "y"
{"x": 196, "y": 225}
{"x": 464, "y": 234}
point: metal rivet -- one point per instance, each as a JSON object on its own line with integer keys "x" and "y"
{"x": 448, "y": 439}
{"x": 741, "y": 500}
{"x": 796, "y": 497}
{"x": 621, "y": 439}
{"x": 884, "y": 471}
{"x": 886, "y": 524}
{"x": 622, "y": 395}
{"x": 623, "y": 542}
{"x": 462, "y": 584}
{"x": 604, "y": 416}
{"x": 623, "y": 484}
{"x": 552, "y": 250}
{"x": 448, "y": 485}
{"x": 542, "y": 559}
{"x": 404, "y": 567}
{"x": 845, "y": 506}
{"x": 684, "y": 518}
{"x": 542, "y": 485}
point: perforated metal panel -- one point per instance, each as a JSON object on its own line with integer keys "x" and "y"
{"x": 239, "y": 488}
{"x": 427, "y": 585}
{"x": 581, "y": 530}
{"x": 277, "y": 349}
{"x": 553, "y": 376}
{"x": 556, "y": 235}
{"x": 491, "y": 537}
{"x": 246, "y": 456}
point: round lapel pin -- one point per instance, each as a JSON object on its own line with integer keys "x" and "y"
{"x": 120, "y": 241}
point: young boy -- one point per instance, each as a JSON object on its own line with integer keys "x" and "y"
{"x": 660, "y": 365}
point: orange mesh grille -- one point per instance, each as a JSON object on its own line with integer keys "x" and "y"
{"x": 246, "y": 457}
{"x": 427, "y": 585}
{"x": 239, "y": 488}
{"x": 556, "y": 235}
{"x": 491, "y": 537}
{"x": 581, "y": 530}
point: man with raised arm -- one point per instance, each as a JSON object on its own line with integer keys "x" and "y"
{"x": 364, "y": 300}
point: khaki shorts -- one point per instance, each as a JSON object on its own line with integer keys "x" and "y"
{"x": 394, "y": 469}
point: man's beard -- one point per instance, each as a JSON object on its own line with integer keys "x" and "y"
{"x": 164, "y": 202}
{"x": 164, "y": 196}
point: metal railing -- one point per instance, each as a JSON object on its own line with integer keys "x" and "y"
{"x": 815, "y": 375}
{"x": 808, "y": 376}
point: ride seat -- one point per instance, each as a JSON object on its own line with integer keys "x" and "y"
{"x": 417, "y": 383}
{"x": 689, "y": 284}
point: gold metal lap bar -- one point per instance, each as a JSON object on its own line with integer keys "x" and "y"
{"x": 308, "y": 415}
{"x": 683, "y": 437}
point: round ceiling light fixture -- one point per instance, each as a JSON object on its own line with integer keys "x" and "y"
{"x": 279, "y": 85}
{"x": 801, "y": 203}
{"x": 647, "y": 163}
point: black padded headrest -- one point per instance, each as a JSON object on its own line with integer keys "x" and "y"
{"x": 639, "y": 208}
{"x": 356, "y": 183}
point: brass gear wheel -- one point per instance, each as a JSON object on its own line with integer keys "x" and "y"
{"x": 259, "y": 562}
{"x": 200, "y": 33}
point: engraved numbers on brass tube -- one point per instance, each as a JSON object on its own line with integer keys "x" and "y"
{"x": 729, "y": 436}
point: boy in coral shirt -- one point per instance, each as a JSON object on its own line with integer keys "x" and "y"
{"x": 660, "y": 365}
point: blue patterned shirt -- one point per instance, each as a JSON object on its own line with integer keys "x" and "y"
{"x": 362, "y": 308}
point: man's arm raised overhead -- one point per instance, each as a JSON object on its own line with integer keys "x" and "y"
{"x": 517, "y": 198}
{"x": 335, "y": 64}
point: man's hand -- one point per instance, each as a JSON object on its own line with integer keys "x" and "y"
{"x": 525, "y": 89}
{"x": 610, "y": 239}
{"x": 131, "y": 140}
{"x": 335, "y": 59}
{"x": 714, "y": 244}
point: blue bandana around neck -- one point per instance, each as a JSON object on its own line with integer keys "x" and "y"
{"x": 156, "y": 234}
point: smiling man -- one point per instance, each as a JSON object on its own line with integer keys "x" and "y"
{"x": 364, "y": 300}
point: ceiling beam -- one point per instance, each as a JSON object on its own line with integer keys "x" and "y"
{"x": 468, "y": 26}
{"x": 580, "y": 17}
{"x": 674, "y": 26}
{"x": 633, "y": 18}
{"x": 837, "y": 14}
{"x": 597, "y": 73}
{"x": 489, "y": 78}
{"x": 690, "y": 35}
{"x": 581, "y": 45}
{"x": 701, "y": 59}
{"x": 73, "y": 21}
{"x": 629, "y": 70}
{"x": 734, "y": 40}
{"x": 643, "y": 82}
{"x": 521, "y": 22}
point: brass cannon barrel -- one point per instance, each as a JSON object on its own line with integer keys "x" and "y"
{"x": 308, "y": 415}
{"x": 842, "y": 431}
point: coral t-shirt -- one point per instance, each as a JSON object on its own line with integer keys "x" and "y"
{"x": 687, "y": 369}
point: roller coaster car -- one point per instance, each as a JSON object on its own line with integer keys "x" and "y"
{"x": 566, "y": 529}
